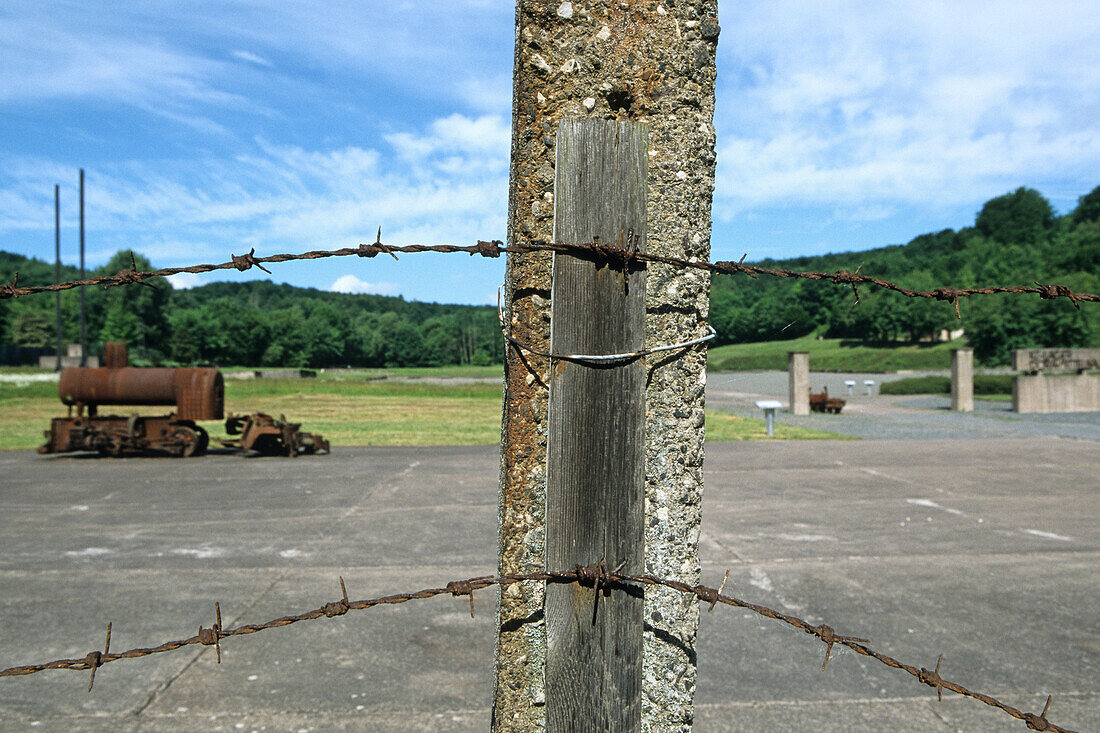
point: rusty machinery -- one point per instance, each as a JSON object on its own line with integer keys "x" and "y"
{"x": 270, "y": 436}
{"x": 196, "y": 393}
{"x": 822, "y": 402}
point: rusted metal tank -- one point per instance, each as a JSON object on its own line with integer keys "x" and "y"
{"x": 197, "y": 393}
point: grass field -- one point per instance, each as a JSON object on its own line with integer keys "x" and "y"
{"x": 830, "y": 355}
{"x": 351, "y": 410}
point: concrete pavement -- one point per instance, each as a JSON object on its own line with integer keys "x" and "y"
{"x": 986, "y": 551}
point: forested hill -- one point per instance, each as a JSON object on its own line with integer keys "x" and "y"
{"x": 250, "y": 323}
{"x": 1016, "y": 239}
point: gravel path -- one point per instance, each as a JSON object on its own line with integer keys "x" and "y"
{"x": 892, "y": 418}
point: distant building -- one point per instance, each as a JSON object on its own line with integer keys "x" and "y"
{"x": 70, "y": 359}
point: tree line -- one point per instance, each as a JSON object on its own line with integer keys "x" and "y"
{"x": 249, "y": 323}
{"x": 1016, "y": 239}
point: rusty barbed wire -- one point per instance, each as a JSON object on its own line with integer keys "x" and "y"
{"x": 599, "y": 577}
{"x": 621, "y": 257}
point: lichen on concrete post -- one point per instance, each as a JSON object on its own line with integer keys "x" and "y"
{"x": 642, "y": 60}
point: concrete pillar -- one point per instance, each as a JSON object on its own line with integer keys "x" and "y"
{"x": 798, "y": 377}
{"x": 635, "y": 61}
{"x": 962, "y": 380}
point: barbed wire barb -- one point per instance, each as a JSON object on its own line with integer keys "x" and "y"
{"x": 721, "y": 586}
{"x": 95, "y": 658}
{"x": 932, "y": 679}
{"x": 1040, "y": 722}
{"x": 213, "y": 634}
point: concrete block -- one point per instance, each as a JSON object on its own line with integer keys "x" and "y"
{"x": 1056, "y": 393}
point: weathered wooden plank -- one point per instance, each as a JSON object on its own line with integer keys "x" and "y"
{"x": 596, "y": 440}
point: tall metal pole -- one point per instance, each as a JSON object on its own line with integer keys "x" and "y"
{"x": 57, "y": 263}
{"x": 83, "y": 318}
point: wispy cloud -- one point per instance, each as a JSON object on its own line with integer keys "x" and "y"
{"x": 446, "y": 183}
{"x": 492, "y": 94}
{"x": 352, "y": 284}
{"x": 929, "y": 103}
{"x": 45, "y": 59}
{"x": 252, "y": 58}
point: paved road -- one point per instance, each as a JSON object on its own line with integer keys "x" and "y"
{"x": 892, "y": 417}
{"x": 985, "y": 550}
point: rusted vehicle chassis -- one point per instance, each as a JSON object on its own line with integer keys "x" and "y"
{"x": 270, "y": 436}
{"x": 113, "y": 435}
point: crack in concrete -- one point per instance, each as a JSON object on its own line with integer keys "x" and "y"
{"x": 232, "y": 622}
{"x": 711, "y": 538}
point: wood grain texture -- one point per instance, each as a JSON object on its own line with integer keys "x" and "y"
{"x": 596, "y": 439}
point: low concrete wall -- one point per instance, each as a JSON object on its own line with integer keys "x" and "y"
{"x": 1056, "y": 393}
{"x": 50, "y": 362}
{"x": 1065, "y": 360}
{"x": 286, "y": 373}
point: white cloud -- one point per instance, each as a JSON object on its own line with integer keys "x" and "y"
{"x": 352, "y": 284}
{"x": 457, "y": 145}
{"x": 184, "y": 280}
{"x": 44, "y": 59}
{"x": 279, "y": 198}
{"x": 252, "y": 58}
{"x": 865, "y": 107}
{"x": 492, "y": 94}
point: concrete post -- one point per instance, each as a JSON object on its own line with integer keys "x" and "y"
{"x": 649, "y": 62}
{"x": 962, "y": 380}
{"x": 798, "y": 379}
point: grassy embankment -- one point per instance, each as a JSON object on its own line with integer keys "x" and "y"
{"x": 831, "y": 355}
{"x": 354, "y": 409}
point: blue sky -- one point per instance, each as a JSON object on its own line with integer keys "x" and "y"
{"x": 208, "y": 128}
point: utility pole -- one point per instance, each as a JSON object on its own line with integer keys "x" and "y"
{"x": 83, "y": 316}
{"x": 57, "y": 264}
{"x": 651, "y": 63}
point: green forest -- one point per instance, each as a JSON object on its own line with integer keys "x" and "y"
{"x": 249, "y": 323}
{"x": 1016, "y": 239}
